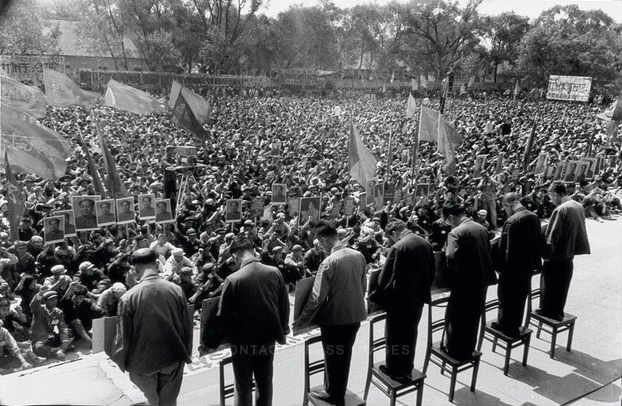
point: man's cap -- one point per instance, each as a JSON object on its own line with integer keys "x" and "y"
{"x": 143, "y": 256}
{"x": 248, "y": 223}
{"x": 178, "y": 252}
{"x": 58, "y": 269}
{"x": 297, "y": 247}
{"x": 86, "y": 265}
{"x": 185, "y": 270}
{"x": 49, "y": 295}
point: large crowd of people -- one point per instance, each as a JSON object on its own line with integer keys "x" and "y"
{"x": 51, "y": 293}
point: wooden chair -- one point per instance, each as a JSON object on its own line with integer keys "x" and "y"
{"x": 227, "y": 390}
{"x": 387, "y": 385}
{"x": 438, "y": 356}
{"x": 548, "y": 325}
{"x": 317, "y": 367}
{"x": 504, "y": 341}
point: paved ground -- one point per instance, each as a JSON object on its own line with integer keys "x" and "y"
{"x": 594, "y": 367}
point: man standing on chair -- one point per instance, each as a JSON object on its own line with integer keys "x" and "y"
{"x": 517, "y": 256}
{"x": 337, "y": 305}
{"x": 470, "y": 271}
{"x": 565, "y": 237}
{"x": 254, "y": 307}
{"x": 403, "y": 288}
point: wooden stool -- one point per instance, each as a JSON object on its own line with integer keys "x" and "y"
{"x": 227, "y": 390}
{"x": 316, "y": 367}
{"x": 439, "y": 357}
{"x": 508, "y": 343}
{"x": 385, "y": 383}
{"x": 554, "y": 326}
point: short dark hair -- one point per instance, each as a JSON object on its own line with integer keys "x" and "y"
{"x": 143, "y": 256}
{"x": 241, "y": 244}
{"x": 558, "y": 187}
{"x": 453, "y": 208}
{"x": 324, "y": 229}
{"x": 395, "y": 226}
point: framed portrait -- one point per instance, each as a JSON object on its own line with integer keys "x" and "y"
{"x": 105, "y": 212}
{"x": 369, "y": 190}
{"x": 53, "y": 229}
{"x": 569, "y": 172}
{"x": 389, "y": 192}
{"x": 379, "y": 195}
{"x": 84, "y": 212}
{"x": 279, "y": 193}
{"x": 70, "y": 222}
{"x": 348, "y": 206}
{"x": 146, "y": 206}
{"x": 126, "y": 213}
{"x": 164, "y": 214}
{"x": 293, "y": 206}
{"x": 590, "y": 172}
{"x": 363, "y": 201}
{"x": 336, "y": 208}
{"x": 310, "y": 208}
{"x": 257, "y": 207}
{"x": 559, "y": 170}
{"x": 550, "y": 171}
{"x": 422, "y": 190}
{"x": 233, "y": 210}
{"x": 541, "y": 163}
{"x": 581, "y": 170}
{"x": 480, "y": 164}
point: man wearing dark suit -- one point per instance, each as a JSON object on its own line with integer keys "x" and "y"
{"x": 470, "y": 272}
{"x": 105, "y": 215}
{"x": 147, "y": 209}
{"x": 162, "y": 212}
{"x": 87, "y": 218}
{"x": 565, "y": 238}
{"x": 53, "y": 231}
{"x": 517, "y": 256}
{"x": 157, "y": 332}
{"x": 403, "y": 287}
{"x": 337, "y": 305}
{"x": 254, "y": 307}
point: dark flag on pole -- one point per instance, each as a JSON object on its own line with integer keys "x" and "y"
{"x": 115, "y": 186}
{"x": 191, "y": 111}
{"x": 15, "y": 199}
{"x": 93, "y": 171}
{"x": 529, "y": 145}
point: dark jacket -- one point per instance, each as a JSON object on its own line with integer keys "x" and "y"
{"x": 519, "y": 249}
{"x": 468, "y": 255}
{"x": 254, "y": 305}
{"x": 407, "y": 274}
{"x": 338, "y": 295}
{"x": 157, "y": 326}
{"x": 565, "y": 234}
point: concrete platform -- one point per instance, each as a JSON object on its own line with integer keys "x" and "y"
{"x": 590, "y": 373}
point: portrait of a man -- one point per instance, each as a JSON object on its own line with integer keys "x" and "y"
{"x": 53, "y": 229}
{"x": 104, "y": 210}
{"x": 84, "y": 211}
{"x": 233, "y": 211}
{"x": 146, "y": 208}
{"x": 125, "y": 210}
{"x": 279, "y": 193}
{"x": 70, "y": 222}
{"x": 163, "y": 212}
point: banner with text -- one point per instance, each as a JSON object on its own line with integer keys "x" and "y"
{"x": 571, "y": 88}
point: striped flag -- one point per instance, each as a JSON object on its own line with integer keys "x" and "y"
{"x": 21, "y": 97}
{"x": 60, "y": 90}
{"x": 362, "y": 161}
{"x": 32, "y": 147}
{"x": 15, "y": 199}
{"x": 128, "y": 98}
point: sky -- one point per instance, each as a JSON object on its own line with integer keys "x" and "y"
{"x": 529, "y": 8}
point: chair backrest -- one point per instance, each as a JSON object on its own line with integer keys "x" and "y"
{"x": 436, "y": 325}
{"x": 488, "y": 307}
{"x": 376, "y": 344}
{"x": 227, "y": 390}
{"x": 312, "y": 367}
{"x": 533, "y": 294}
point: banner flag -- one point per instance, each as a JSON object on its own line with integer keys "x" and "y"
{"x": 32, "y": 147}
{"x": 60, "y": 90}
{"x": 411, "y": 106}
{"x": 21, "y": 97}
{"x": 128, "y": 98}
{"x": 362, "y": 161}
{"x": 15, "y": 199}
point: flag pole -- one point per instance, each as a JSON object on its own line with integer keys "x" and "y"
{"x": 416, "y": 146}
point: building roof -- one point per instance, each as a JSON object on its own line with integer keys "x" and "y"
{"x": 70, "y": 42}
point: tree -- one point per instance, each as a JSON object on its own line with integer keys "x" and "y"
{"x": 504, "y": 32}
{"x": 570, "y": 41}
{"x": 439, "y": 35}
{"x": 21, "y": 30}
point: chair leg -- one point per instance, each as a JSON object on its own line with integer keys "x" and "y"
{"x": 393, "y": 399}
{"x": 508, "y": 353}
{"x": 539, "y": 329}
{"x": 553, "y": 342}
{"x": 570, "y": 334}
{"x": 452, "y": 384}
{"x": 367, "y": 383}
{"x": 443, "y": 369}
{"x": 494, "y": 345}
{"x": 474, "y": 375}
{"x": 420, "y": 394}
{"x": 427, "y": 361}
{"x": 526, "y": 350}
